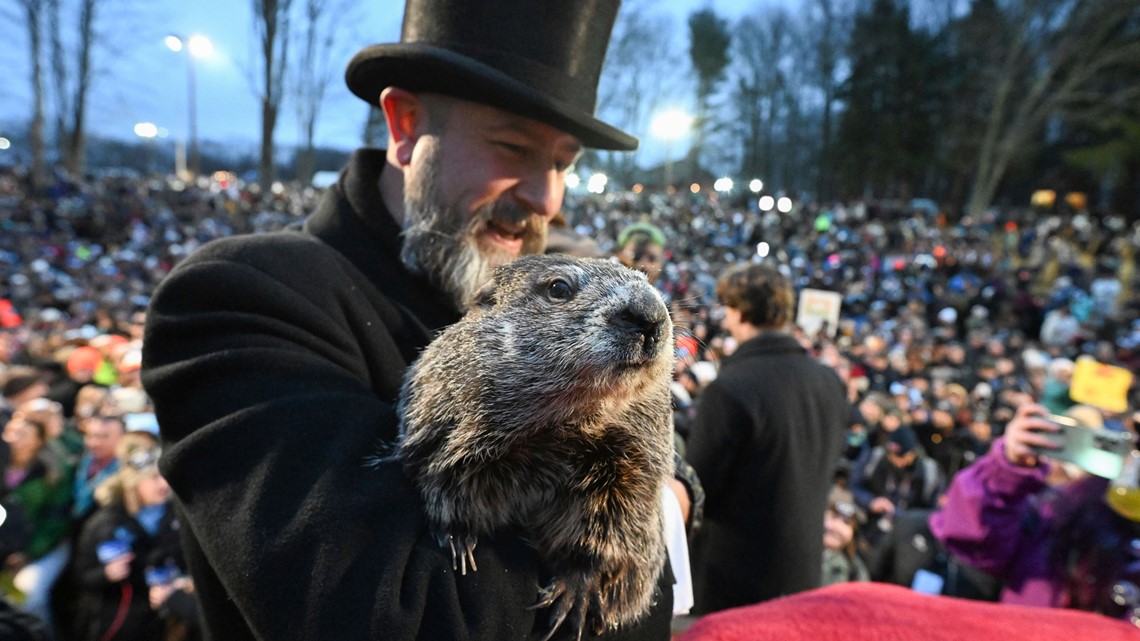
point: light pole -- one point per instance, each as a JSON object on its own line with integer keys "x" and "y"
{"x": 668, "y": 126}
{"x": 195, "y": 47}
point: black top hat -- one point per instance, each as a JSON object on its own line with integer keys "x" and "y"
{"x": 536, "y": 58}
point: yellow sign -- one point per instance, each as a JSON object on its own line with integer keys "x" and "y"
{"x": 1100, "y": 385}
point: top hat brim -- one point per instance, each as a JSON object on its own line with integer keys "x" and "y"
{"x": 427, "y": 68}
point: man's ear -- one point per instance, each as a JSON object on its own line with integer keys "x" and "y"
{"x": 405, "y": 115}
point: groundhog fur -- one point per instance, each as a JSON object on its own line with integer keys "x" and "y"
{"x": 548, "y": 406}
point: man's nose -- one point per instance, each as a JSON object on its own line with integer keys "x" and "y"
{"x": 541, "y": 192}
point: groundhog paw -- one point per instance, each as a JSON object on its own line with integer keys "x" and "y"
{"x": 462, "y": 548}
{"x": 574, "y": 602}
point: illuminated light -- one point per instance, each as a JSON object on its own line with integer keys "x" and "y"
{"x": 4, "y": 143}
{"x": 762, "y": 249}
{"x": 597, "y": 183}
{"x": 767, "y": 203}
{"x": 572, "y": 181}
{"x": 671, "y": 124}
{"x": 146, "y": 130}
{"x": 756, "y": 185}
{"x": 277, "y": 188}
{"x": 200, "y": 46}
{"x": 638, "y": 188}
{"x": 174, "y": 43}
{"x": 1076, "y": 200}
{"x": 1043, "y": 198}
{"x": 695, "y": 188}
{"x": 784, "y": 204}
{"x": 723, "y": 184}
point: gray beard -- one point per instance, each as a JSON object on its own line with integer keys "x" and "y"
{"x": 440, "y": 243}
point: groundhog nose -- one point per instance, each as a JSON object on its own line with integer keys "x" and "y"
{"x": 645, "y": 317}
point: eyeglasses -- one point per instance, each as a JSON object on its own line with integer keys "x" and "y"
{"x": 143, "y": 459}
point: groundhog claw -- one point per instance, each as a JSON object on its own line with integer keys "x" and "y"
{"x": 581, "y": 605}
{"x": 462, "y": 551}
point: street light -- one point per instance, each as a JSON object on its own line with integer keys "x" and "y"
{"x": 668, "y": 126}
{"x": 756, "y": 185}
{"x": 195, "y": 47}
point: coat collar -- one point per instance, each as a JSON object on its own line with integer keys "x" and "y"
{"x": 353, "y": 220}
{"x": 766, "y": 344}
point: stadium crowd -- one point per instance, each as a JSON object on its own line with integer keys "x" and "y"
{"x": 947, "y": 327}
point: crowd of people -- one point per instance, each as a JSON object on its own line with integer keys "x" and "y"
{"x": 947, "y": 329}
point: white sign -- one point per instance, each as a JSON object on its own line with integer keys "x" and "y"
{"x": 816, "y": 307}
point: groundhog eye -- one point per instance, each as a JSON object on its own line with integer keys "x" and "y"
{"x": 559, "y": 291}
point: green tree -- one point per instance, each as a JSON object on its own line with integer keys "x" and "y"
{"x": 886, "y": 134}
{"x": 708, "y": 50}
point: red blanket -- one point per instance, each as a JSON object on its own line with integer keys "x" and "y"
{"x": 881, "y": 612}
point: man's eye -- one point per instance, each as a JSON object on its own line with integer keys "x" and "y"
{"x": 513, "y": 148}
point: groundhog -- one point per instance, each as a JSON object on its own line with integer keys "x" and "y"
{"x": 548, "y": 407}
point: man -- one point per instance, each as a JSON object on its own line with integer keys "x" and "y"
{"x": 275, "y": 361}
{"x": 767, "y": 439}
{"x": 101, "y": 435}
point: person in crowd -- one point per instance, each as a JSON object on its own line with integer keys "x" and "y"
{"x": 768, "y": 434}
{"x": 275, "y": 361}
{"x": 897, "y": 476}
{"x": 21, "y": 386}
{"x": 133, "y": 533}
{"x": 39, "y": 481}
{"x": 1054, "y": 545}
{"x": 841, "y": 560}
{"x": 641, "y": 246}
{"x": 101, "y": 435}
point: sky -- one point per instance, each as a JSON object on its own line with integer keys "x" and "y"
{"x": 140, "y": 80}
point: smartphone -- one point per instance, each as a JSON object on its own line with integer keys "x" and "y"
{"x": 1096, "y": 451}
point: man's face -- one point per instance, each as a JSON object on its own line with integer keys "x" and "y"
{"x": 480, "y": 192}
{"x": 101, "y": 436}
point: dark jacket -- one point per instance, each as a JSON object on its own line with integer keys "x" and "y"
{"x": 275, "y": 362}
{"x": 123, "y": 606}
{"x": 767, "y": 439}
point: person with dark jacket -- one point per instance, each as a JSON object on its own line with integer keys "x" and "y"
{"x": 134, "y": 530}
{"x": 768, "y": 436}
{"x": 275, "y": 361}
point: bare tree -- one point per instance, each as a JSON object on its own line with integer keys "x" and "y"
{"x": 271, "y": 22}
{"x": 638, "y": 72}
{"x": 71, "y": 79}
{"x": 1068, "y": 52}
{"x": 760, "y": 47}
{"x": 827, "y": 27}
{"x": 32, "y": 13}
{"x": 322, "y": 22}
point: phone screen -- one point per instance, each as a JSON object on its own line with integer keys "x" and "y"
{"x": 1097, "y": 451}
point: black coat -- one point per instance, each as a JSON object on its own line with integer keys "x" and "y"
{"x": 274, "y": 362}
{"x": 125, "y": 605}
{"x": 767, "y": 439}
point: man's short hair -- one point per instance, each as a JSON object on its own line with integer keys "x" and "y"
{"x": 761, "y": 294}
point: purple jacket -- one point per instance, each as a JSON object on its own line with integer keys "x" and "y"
{"x": 992, "y": 521}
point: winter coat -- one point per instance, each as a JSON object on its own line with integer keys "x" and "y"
{"x": 122, "y": 606}
{"x": 274, "y": 362}
{"x": 766, "y": 444}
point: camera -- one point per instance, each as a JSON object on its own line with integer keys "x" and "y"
{"x": 1095, "y": 450}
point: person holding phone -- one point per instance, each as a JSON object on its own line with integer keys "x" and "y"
{"x": 1055, "y": 545}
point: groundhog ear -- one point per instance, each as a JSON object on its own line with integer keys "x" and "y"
{"x": 485, "y": 297}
